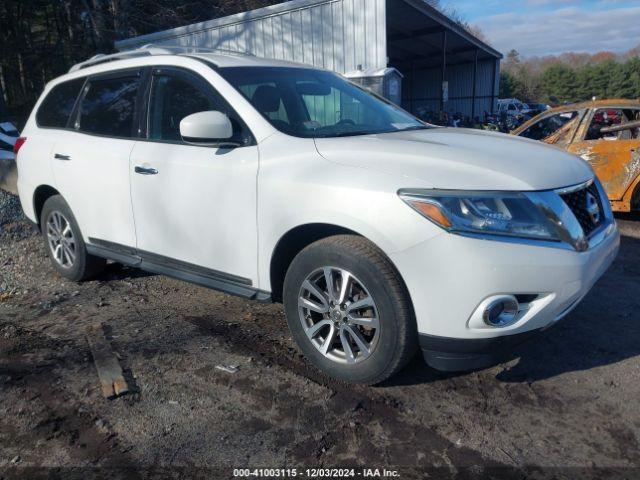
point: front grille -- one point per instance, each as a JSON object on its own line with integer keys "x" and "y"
{"x": 581, "y": 203}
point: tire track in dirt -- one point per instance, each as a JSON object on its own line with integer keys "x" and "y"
{"x": 364, "y": 407}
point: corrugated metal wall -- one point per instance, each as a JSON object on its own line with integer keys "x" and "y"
{"x": 337, "y": 34}
{"x": 423, "y": 94}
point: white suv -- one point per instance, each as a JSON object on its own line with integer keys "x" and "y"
{"x": 280, "y": 182}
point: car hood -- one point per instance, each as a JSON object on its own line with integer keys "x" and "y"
{"x": 454, "y": 158}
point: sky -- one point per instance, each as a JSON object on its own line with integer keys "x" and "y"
{"x": 547, "y": 27}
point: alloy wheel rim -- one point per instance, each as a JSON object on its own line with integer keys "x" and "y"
{"x": 339, "y": 315}
{"x": 61, "y": 240}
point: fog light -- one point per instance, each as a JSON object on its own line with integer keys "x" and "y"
{"x": 501, "y": 312}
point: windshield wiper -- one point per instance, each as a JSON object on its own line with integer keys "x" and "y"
{"x": 378, "y": 132}
{"x": 345, "y": 134}
{"x": 417, "y": 127}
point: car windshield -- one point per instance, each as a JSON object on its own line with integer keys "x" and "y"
{"x": 315, "y": 104}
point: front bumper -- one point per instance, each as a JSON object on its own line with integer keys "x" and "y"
{"x": 454, "y": 354}
{"x": 449, "y": 277}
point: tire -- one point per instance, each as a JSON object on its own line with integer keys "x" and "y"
{"x": 373, "y": 284}
{"x": 59, "y": 227}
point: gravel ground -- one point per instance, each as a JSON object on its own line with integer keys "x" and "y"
{"x": 10, "y": 209}
{"x": 566, "y": 405}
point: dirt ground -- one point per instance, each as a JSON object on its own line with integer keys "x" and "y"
{"x": 567, "y": 403}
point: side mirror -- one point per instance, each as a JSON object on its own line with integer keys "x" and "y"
{"x": 207, "y": 128}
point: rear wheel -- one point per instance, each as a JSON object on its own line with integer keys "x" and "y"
{"x": 64, "y": 242}
{"x": 349, "y": 311}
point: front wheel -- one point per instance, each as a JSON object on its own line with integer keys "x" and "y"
{"x": 349, "y": 311}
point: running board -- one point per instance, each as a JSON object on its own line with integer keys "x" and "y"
{"x": 223, "y": 282}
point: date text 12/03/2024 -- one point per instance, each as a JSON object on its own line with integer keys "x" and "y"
{"x": 316, "y": 473}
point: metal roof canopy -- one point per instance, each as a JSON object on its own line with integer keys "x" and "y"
{"x": 413, "y": 30}
{"x": 419, "y": 34}
{"x": 430, "y": 49}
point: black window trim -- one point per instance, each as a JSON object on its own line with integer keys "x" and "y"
{"x": 141, "y": 113}
{"x": 73, "y": 110}
{"x": 125, "y": 72}
{"x": 194, "y": 77}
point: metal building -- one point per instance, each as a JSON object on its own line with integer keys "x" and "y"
{"x": 433, "y": 63}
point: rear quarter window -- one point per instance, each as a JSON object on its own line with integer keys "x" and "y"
{"x": 56, "y": 108}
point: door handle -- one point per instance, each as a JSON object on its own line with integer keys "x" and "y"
{"x": 60, "y": 156}
{"x": 146, "y": 170}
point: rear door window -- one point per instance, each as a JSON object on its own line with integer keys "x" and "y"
{"x": 108, "y": 106}
{"x": 56, "y": 108}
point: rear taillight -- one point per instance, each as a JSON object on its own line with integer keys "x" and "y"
{"x": 19, "y": 142}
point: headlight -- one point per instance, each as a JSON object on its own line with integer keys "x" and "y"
{"x": 492, "y": 213}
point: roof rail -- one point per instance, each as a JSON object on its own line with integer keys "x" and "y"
{"x": 151, "y": 49}
{"x": 183, "y": 50}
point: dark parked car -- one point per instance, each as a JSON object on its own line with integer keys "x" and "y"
{"x": 537, "y": 108}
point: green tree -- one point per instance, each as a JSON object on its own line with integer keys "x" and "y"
{"x": 625, "y": 81}
{"x": 560, "y": 81}
{"x": 594, "y": 80}
{"x": 510, "y": 86}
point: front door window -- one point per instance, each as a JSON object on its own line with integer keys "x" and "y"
{"x": 174, "y": 97}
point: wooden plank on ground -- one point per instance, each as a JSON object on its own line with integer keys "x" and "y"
{"x": 109, "y": 370}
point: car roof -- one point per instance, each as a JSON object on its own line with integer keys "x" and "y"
{"x": 597, "y": 104}
{"x": 152, "y": 55}
{"x": 611, "y": 103}
{"x": 230, "y": 60}
{"x": 220, "y": 58}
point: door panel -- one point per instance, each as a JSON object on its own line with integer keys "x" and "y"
{"x": 616, "y": 163}
{"x": 194, "y": 204}
{"x": 91, "y": 162}
{"x": 200, "y": 205}
{"x": 92, "y": 174}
